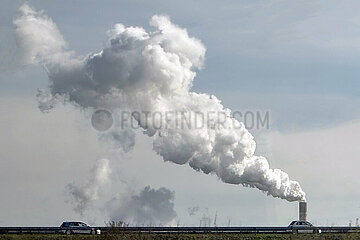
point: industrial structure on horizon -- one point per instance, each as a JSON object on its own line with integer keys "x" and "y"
{"x": 302, "y": 211}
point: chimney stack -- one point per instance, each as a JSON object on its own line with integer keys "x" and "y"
{"x": 302, "y": 211}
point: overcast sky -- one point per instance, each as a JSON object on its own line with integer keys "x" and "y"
{"x": 297, "y": 60}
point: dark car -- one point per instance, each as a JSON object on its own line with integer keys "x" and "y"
{"x": 303, "y": 227}
{"x": 78, "y": 227}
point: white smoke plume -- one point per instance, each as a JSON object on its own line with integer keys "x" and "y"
{"x": 154, "y": 72}
{"x": 82, "y": 196}
{"x": 39, "y": 36}
{"x": 149, "y": 208}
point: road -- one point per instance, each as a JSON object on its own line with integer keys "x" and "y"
{"x": 194, "y": 230}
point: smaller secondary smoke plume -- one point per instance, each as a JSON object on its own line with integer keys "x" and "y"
{"x": 119, "y": 136}
{"x": 83, "y": 196}
{"x": 149, "y": 207}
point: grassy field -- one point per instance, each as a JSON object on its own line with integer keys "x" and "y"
{"x": 136, "y": 236}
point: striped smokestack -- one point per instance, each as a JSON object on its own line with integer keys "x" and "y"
{"x": 302, "y": 211}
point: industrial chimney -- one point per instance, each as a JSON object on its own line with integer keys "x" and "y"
{"x": 302, "y": 211}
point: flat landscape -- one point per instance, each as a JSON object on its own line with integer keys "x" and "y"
{"x": 193, "y": 119}
{"x": 136, "y": 236}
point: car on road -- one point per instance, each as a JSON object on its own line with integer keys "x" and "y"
{"x": 78, "y": 228}
{"x": 303, "y": 227}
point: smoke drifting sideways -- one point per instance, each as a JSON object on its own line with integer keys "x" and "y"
{"x": 153, "y": 72}
{"x": 83, "y": 196}
{"x": 151, "y": 207}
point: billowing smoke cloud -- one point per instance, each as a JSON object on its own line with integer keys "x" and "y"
{"x": 38, "y": 36}
{"x": 150, "y": 207}
{"x": 82, "y": 196}
{"x": 153, "y": 72}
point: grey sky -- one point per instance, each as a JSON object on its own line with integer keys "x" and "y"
{"x": 297, "y": 60}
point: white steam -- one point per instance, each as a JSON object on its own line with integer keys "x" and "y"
{"x": 154, "y": 71}
{"x": 38, "y": 35}
{"x": 84, "y": 195}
